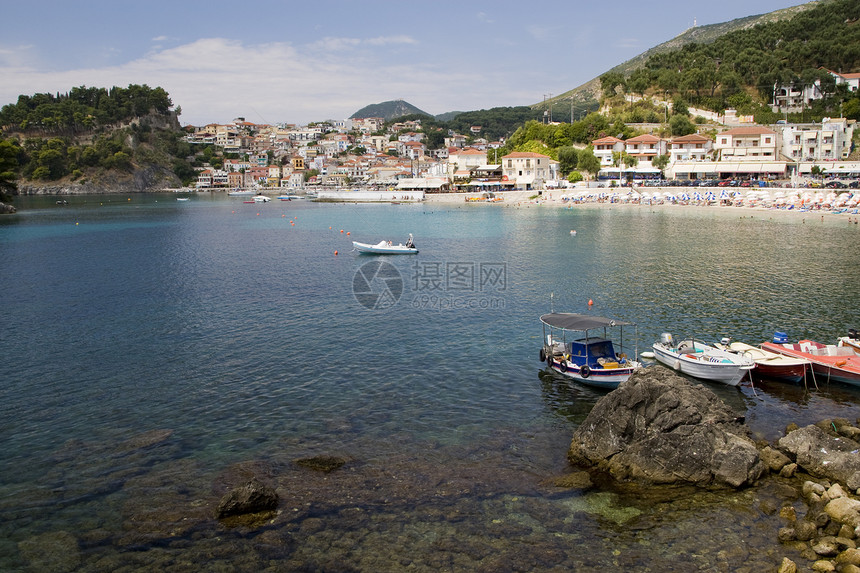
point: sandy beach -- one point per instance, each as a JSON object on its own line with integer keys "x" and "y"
{"x": 769, "y": 202}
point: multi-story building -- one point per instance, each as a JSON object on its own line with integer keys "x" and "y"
{"x": 828, "y": 141}
{"x": 462, "y": 161}
{"x": 605, "y": 147}
{"x": 528, "y": 170}
{"x": 752, "y": 143}
{"x": 693, "y": 147}
{"x": 645, "y": 148}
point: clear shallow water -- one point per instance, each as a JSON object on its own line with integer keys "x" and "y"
{"x": 235, "y": 327}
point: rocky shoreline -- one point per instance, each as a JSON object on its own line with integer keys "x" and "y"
{"x": 658, "y": 428}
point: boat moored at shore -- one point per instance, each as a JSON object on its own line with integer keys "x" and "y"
{"x": 700, "y": 360}
{"x": 578, "y": 347}
{"x": 828, "y": 361}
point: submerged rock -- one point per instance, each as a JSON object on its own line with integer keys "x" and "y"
{"x": 660, "y": 428}
{"x": 252, "y": 497}
{"x": 323, "y": 464}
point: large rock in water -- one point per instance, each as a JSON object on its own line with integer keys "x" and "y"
{"x": 660, "y": 428}
{"x": 825, "y": 454}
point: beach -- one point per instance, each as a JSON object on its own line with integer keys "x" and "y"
{"x": 791, "y": 203}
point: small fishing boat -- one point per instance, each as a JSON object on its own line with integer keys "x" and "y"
{"x": 183, "y": 199}
{"x": 387, "y": 248}
{"x": 238, "y": 193}
{"x": 578, "y": 347}
{"x": 828, "y": 361}
{"x": 700, "y": 360}
{"x": 261, "y": 199}
{"x": 769, "y": 364}
{"x": 851, "y": 341}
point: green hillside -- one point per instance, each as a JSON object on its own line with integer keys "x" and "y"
{"x": 388, "y": 110}
{"x": 94, "y": 138}
{"x": 585, "y": 97}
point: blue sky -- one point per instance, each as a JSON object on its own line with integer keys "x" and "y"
{"x": 299, "y": 61}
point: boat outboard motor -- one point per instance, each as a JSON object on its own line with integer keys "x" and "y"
{"x": 666, "y": 338}
{"x": 852, "y": 333}
{"x": 780, "y": 338}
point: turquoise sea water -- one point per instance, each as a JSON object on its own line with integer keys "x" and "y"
{"x": 234, "y": 334}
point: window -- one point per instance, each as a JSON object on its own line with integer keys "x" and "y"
{"x": 724, "y": 141}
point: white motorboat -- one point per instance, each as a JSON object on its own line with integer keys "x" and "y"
{"x": 261, "y": 199}
{"x": 578, "y": 346}
{"x": 387, "y": 248}
{"x": 700, "y": 360}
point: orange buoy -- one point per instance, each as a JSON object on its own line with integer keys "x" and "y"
{"x": 590, "y": 302}
{"x": 341, "y": 230}
{"x": 329, "y": 228}
{"x": 335, "y": 252}
{"x": 347, "y": 233}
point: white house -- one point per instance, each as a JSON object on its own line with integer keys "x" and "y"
{"x": 693, "y": 147}
{"x": 752, "y": 143}
{"x": 462, "y": 161}
{"x": 828, "y": 141}
{"x": 605, "y": 147}
{"x": 528, "y": 170}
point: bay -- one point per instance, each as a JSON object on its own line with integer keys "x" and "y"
{"x": 155, "y": 349}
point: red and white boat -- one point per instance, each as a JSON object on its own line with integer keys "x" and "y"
{"x": 828, "y": 361}
{"x": 770, "y": 364}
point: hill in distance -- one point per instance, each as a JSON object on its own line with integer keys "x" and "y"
{"x": 388, "y": 110}
{"x": 590, "y": 90}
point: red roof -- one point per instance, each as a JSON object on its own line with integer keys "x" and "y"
{"x": 523, "y": 154}
{"x": 692, "y": 138}
{"x": 607, "y": 139}
{"x": 644, "y": 138}
{"x": 749, "y": 130}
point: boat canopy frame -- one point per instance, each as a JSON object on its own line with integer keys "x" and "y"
{"x": 574, "y": 322}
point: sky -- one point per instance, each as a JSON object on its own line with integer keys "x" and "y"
{"x": 298, "y": 61}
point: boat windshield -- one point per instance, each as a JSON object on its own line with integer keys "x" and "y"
{"x": 595, "y": 348}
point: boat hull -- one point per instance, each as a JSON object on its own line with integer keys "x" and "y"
{"x": 607, "y": 379}
{"x": 843, "y": 368}
{"x": 384, "y": 250}
{"x": 730, "y": 373}
{"x": 771, "y": 365}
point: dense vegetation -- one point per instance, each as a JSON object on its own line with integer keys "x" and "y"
{"x": 496, "y": 123}
{"x": 90, "y": 130}
{"x": 83, "y": 109}
{"x": 739, "y": 70}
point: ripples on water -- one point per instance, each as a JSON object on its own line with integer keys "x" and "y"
{"x": 235, "y": 327}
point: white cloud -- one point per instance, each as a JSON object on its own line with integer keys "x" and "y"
{"x": 216, "y": 79}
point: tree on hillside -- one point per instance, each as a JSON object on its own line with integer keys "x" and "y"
{"x": 681, "y": 125}
{"x": 588, "y": 161}
{"x": 568, "y": 157}
{"x": 9, "y": 161}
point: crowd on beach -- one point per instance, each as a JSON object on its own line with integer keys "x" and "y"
{"x": 785, "y": 199}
